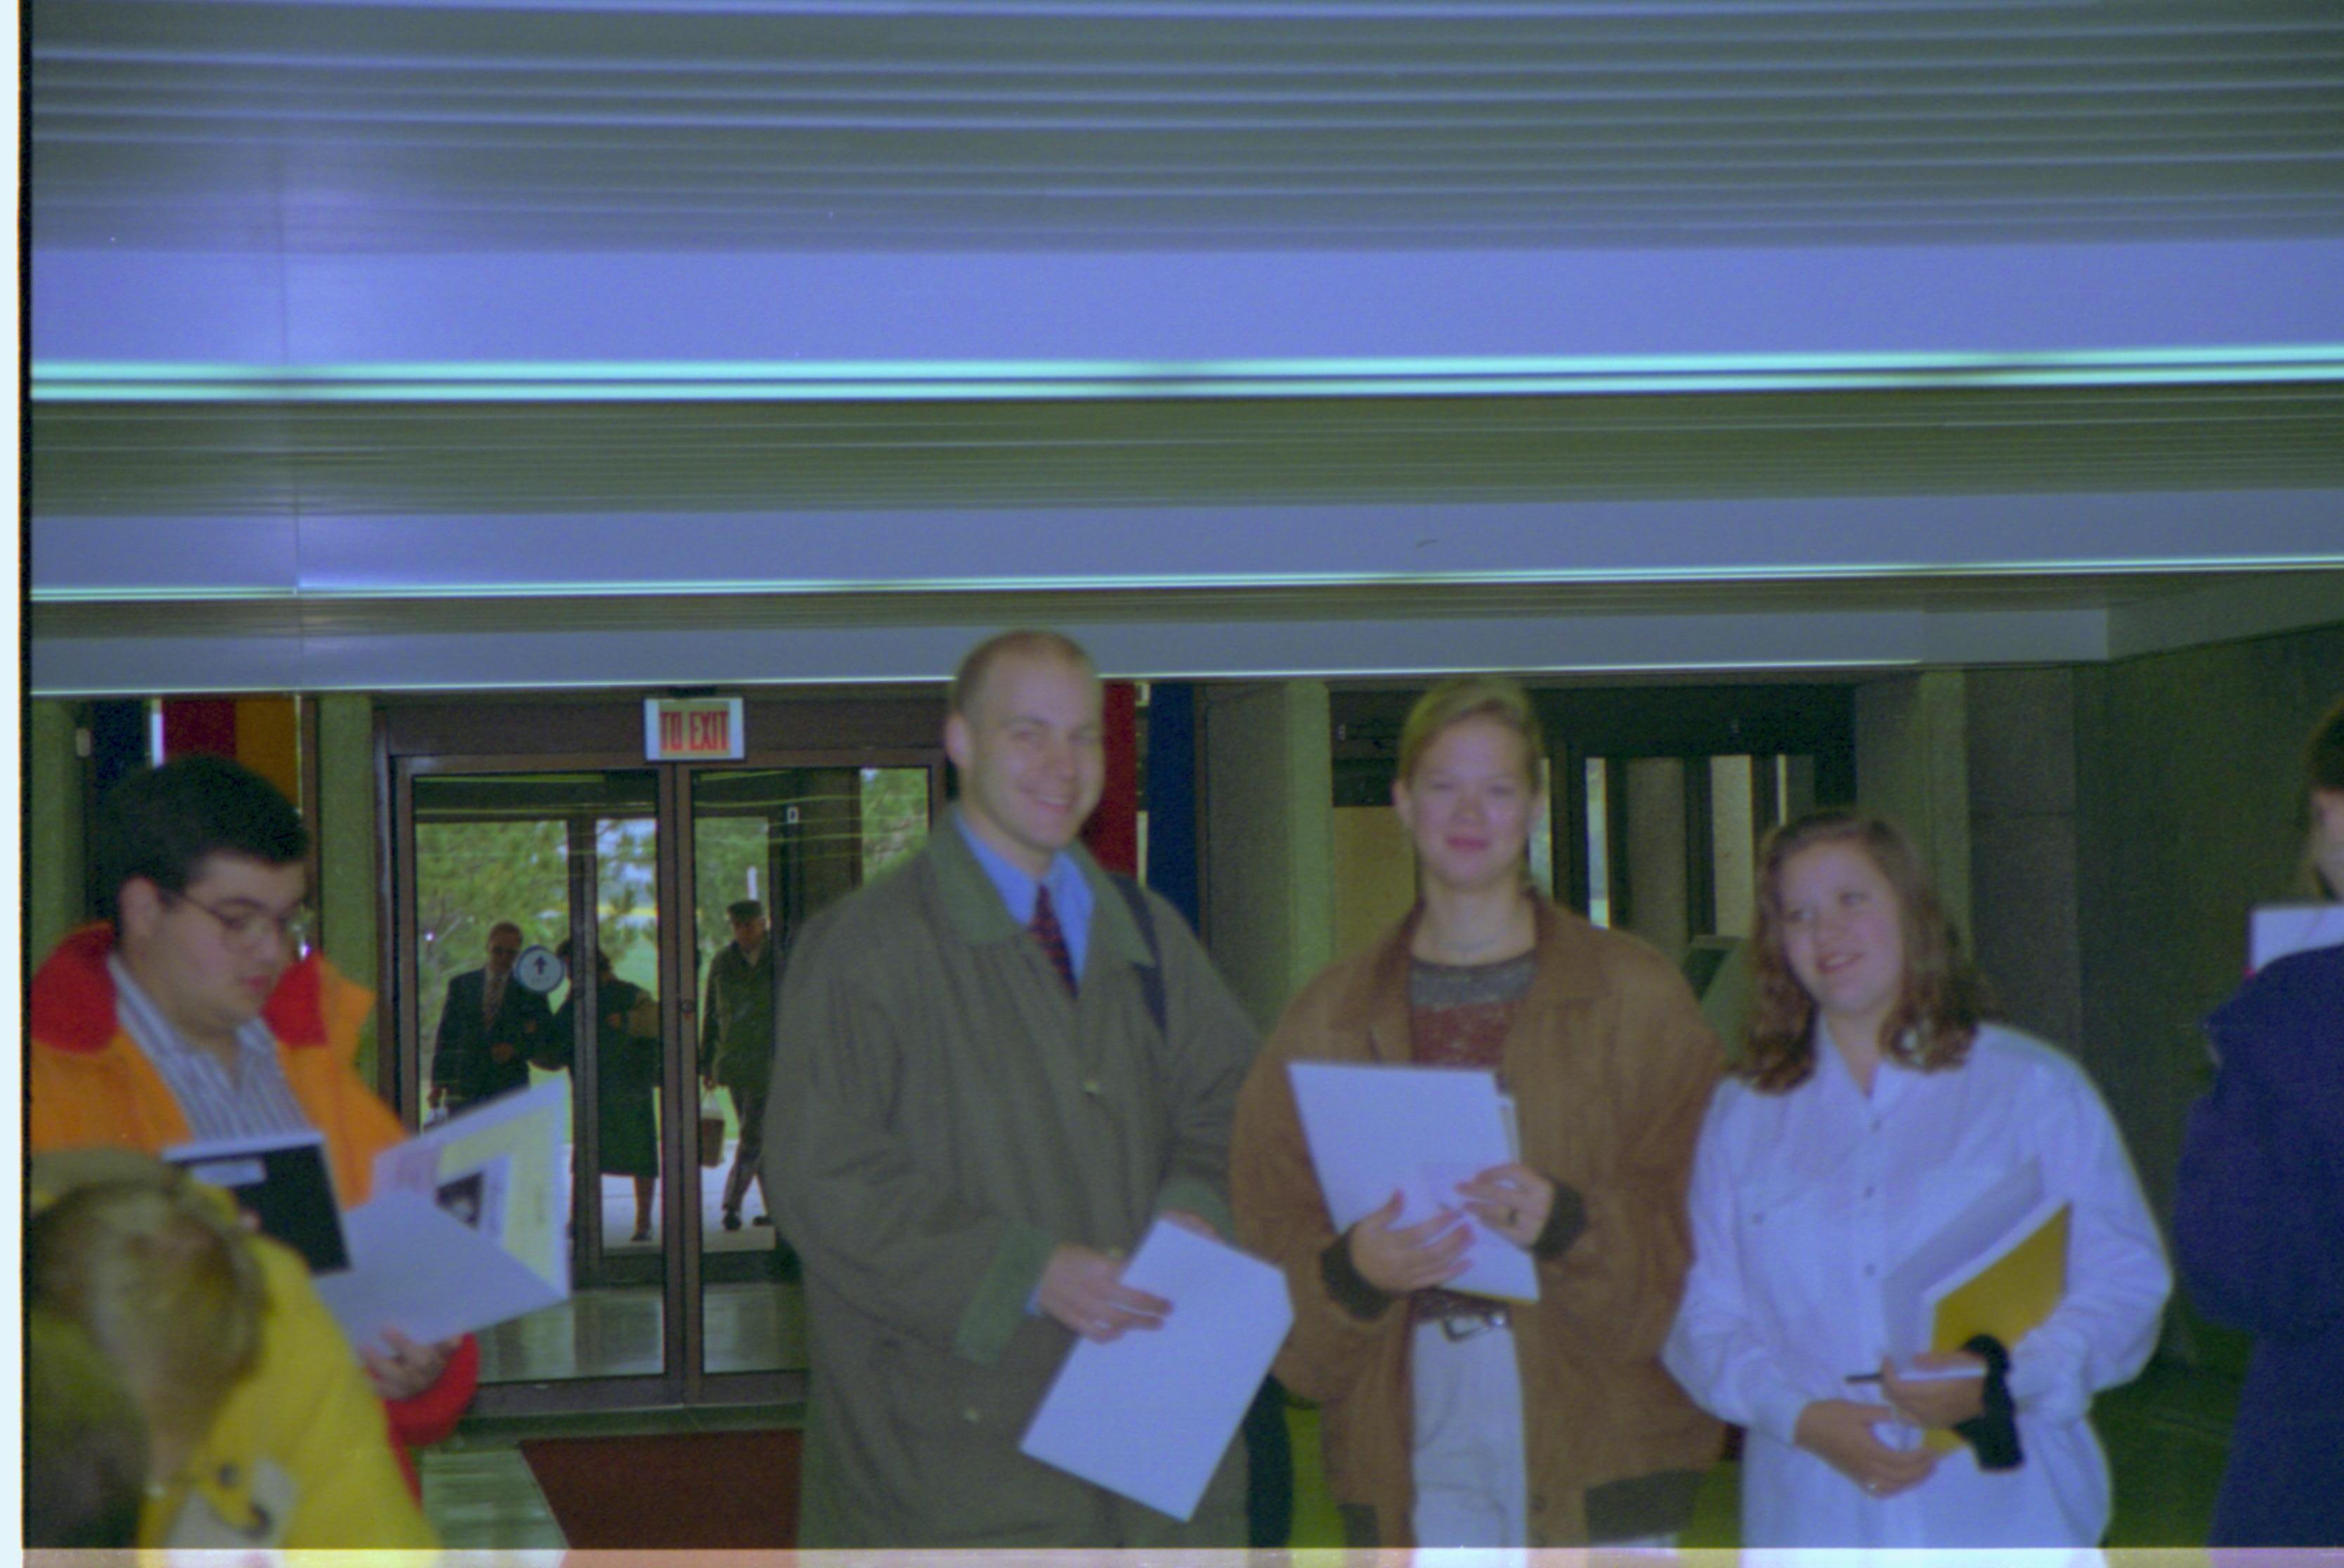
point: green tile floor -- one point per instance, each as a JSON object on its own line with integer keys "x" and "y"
{"x": 2166, "y": 1434}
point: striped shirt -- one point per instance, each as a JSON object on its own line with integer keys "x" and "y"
{"x": 254, "y": 1099}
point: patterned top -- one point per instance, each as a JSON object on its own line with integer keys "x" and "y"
{"x": 1458, "y": 1017}
{"x": 255, "y": 1100}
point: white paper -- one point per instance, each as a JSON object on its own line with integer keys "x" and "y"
{"x": 1150, "y": 1414}
{"x": 1417, "y": 1130}
{"x": 513, "y": 1143}
{"x": 427, "y": 1274}
{"x": 2275, "y": 931}
{"x": 1969, "y": 1243}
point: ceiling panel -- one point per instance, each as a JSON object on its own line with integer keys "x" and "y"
{"x": 267, "y": 459}
{"x": 778, "y": 126}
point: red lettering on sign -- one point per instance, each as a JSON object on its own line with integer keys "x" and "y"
{"x": 670, "y": 731}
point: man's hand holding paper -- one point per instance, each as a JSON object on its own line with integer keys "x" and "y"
{"x": 404, "y": 1369}
{"x": 1151, "y": 1417}
{"x": 1083, "y": 1290}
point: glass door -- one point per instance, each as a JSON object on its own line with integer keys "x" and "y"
{"x": 538, "y": 893}
{"x": 535, "y": 904}
{"x": 772, "y": 846}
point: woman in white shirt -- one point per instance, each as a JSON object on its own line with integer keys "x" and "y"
{"x": 1870, "y": 1108}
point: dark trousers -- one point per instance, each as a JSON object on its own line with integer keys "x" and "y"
{"x": 749, "y": 1153}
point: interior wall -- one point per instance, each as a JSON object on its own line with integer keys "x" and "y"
{"x": 2020, "y": 748}
{"x": 2190, "y": 805}
{"x": 54, "y": 832}
{"x": 1912, "y": 763}
{"x": 1658, "y": 898}
{"x": 1375, "y": 874}
{"x": 1269, "y": 838}
{"x": 349, "y": 857}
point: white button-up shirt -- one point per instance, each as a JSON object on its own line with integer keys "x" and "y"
{"x": 1803, "y": 1202}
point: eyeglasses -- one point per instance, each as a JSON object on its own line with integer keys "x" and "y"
{"x": 246, "y": 927}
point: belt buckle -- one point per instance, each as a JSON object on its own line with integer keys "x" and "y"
{"x": 1464, "y": 1327}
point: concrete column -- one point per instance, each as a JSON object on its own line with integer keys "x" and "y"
{"x": 1912, "y": 763}
{"x": 348, "y": 837}
{"x": 1270, "y": 910}
{"x": 57, "y": 848}
{"x": 1658, "y": 899}
{"x": 2024, "y": 841}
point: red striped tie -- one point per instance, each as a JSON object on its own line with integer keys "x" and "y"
{"x": 1044, "y": 930}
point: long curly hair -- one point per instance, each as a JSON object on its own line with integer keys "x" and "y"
{"x": 1938, "y": 1011}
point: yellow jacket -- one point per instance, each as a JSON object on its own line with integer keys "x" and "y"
{"x": 299, "y": 1455}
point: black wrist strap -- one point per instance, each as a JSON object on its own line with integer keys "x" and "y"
{"x": 1993, "y": 1434}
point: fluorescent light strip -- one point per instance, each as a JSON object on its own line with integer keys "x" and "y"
{"x": 1068, "y": 380}
{"x": 812, "y": 588}
{"x": 1262, "y": 672}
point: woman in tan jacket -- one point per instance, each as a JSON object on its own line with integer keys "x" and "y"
{"x": 1457, "y": 1420}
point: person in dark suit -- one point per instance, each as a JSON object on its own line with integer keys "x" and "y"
{"x": 489, "y": 1028}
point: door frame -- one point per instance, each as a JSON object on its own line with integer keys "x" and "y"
{"x": 492, "y": 737}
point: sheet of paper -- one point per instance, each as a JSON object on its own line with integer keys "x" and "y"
{"x": 1375, "y": 1131}
{"x": 514, "y": 1144}
{"x": 2275, "y": 931}
{"x": 1999, "y": 1216}
{"x": 422, "y": 1271}
{"x": 1150, "y": 1415}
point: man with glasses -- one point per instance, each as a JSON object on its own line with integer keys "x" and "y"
{"x": 189, "y": 1013}
{"x": 490, "y": 1026}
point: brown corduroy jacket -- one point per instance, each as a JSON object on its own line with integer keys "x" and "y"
{"x": 1611, "y": 1065}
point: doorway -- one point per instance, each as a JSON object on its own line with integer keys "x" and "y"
{"x": 622, "y": 876}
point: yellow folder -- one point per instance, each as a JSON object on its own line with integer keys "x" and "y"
{"x": 2006, "y": 1299}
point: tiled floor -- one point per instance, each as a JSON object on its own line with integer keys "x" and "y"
{"x": 614, "y": 1330}
{"x": 2166, "y": 1434}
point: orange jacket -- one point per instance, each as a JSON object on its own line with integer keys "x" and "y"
{"x": 91, "y": 1084}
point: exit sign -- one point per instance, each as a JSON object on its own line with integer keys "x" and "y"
{"x": 691, "y": 730}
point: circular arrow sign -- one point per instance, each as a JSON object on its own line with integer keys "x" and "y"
{"x": 538, "y": 969}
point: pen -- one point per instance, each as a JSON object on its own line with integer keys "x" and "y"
{"x": 1922, "y": 1374}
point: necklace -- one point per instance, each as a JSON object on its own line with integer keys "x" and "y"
{"x": 1514, "y": 935}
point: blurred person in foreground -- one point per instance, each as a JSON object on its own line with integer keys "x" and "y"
{"x": 260, "y": 1429}
{"x": 1872, "y": 1105}
{"x": 1452, "y": 1420}
{"x": 85, "y": 1453}
{"x": 187, "y": 1013}
{"x": 2258, "y": 1215}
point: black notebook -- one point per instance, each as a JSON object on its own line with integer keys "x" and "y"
{"x": 282, "y": 1180}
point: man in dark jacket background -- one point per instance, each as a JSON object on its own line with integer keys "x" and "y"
{"x": 490, "y": 1026}
{"x": 736, "y": 1044}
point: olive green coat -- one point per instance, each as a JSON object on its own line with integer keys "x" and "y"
{"x": 943, "y": 1115}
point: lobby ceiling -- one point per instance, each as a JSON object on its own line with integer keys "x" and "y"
{"x": 571, "y": 342}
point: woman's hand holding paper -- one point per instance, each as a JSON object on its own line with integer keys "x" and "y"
{"x": 1512, "y": 1200}
{"x": 1396, "y": 1258}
